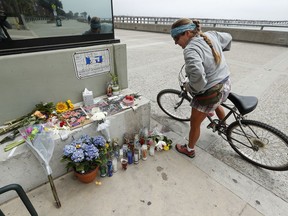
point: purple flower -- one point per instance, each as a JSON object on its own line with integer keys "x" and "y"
{"x": 29, "y": 130}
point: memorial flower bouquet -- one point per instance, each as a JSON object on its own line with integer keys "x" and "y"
{"x": 29, "y": 134}
{"x": 38, "y": 115}
{"x": 161, "y": 141}
{"x": 83, "y": 154}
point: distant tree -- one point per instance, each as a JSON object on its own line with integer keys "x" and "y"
{"x": 17, "y": 8}
{"x": 27, "y": 7}
{"x": 47, "y": 4}
{"x": 69, "y": 15}
{"x": 76, "y": 15}
{"x": 84, "y": 14}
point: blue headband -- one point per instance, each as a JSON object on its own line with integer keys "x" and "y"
{"x": 95, "y": 25}
{"x": 180, "y": 29}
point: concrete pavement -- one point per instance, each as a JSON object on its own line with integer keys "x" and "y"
{"x": 216, "y": 181}
{"x": 256, "y": 69}
{"x": 166, "y": 184}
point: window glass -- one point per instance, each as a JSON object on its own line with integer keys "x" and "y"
{"x": 35, "y": 24}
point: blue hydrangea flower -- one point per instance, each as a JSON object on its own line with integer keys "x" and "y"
{"x": 84, "y": 149}
{"x": 78, "y": 156}
{"x": 85, "y": 139}
{"x": 75, "y": 142}
{"x": 68, "y": 150}
{"x": 90, "y": 151}
{"x": 98, "y": 141}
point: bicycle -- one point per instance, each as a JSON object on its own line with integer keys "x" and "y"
{"x": 255, "y": 141}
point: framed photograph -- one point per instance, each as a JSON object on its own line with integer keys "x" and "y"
{"x": 111, "y": 107}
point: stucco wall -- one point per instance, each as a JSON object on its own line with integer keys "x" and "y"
{"x": 28, "y": 79}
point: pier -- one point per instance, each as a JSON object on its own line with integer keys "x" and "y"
{"x": 256, "y": 24}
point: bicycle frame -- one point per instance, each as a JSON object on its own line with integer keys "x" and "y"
{"x": 233, "y": 111}
{"x": 218, "y": 125}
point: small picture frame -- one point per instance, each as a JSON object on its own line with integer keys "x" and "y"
{"x": 76, "y": 118}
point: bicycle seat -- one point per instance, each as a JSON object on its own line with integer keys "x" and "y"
{"x": 245, "y": 104}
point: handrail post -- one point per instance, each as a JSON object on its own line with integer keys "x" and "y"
{"x": 21, "y": 193}
{"x": 1, "y": 213}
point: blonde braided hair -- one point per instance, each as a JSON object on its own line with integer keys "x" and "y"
{"x": 197, "y": 31}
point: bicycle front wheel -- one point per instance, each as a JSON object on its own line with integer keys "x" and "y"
{"x": 174, "y": 104}
{"x": 259, "y": 144}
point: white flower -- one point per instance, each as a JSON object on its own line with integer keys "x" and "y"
{"x": 160, "y": 145}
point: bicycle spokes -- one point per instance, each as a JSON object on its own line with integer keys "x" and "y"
{"x": 178, "y": 104}
{"x": 254, "y": 141}
{"x": 259, "y": 144}
{"x": 175, "y": 104}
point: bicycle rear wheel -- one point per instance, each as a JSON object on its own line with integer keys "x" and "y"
{"x": 174, "y": 104}
{"x": 259, "y": 144}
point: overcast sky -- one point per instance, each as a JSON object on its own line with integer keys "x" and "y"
{"x": 100, "y": 8}
{"x": 219, "y": 9}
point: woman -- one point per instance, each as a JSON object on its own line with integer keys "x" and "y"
{"x": 207, "y": 73}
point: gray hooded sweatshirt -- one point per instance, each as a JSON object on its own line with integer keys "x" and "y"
{"x": 201, "y": 69}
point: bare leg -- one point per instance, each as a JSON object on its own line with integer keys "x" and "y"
{"x": 220, "y": 112}
{"x": 196, "y": 119}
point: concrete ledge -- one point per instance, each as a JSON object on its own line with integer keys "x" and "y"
{"x": 246, "y": 35}
{"x": 23, "y": 168}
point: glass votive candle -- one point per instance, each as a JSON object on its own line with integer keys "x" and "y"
{"x": 130, "y": 157}
{"x": 144, "y": 152}
{"x": 124, "y": 163}
{"x": 110, "y": 168}
{"x": 115, "y": 164}
{"x": 136, "y": 156}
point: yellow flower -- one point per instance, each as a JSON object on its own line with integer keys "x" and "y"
{"x": 61, "y": 107}
{"x": 166, "y": 148}
{"x": 70, "y": 104}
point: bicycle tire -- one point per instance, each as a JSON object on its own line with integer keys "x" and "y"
{"x": 167, "y": 100}
{"x": 270, "y": 149}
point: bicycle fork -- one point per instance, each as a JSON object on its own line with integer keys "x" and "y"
{"x": 181, "y": 99}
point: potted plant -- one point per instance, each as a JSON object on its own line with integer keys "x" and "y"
{"x": 115, "y": 84}
{"x": 83, "y": 156}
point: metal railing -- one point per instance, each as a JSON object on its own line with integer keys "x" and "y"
{"x": 21, "y": 193}
{"x": 261, "y": 24}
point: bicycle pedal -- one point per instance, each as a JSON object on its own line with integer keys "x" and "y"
{"x": 212, "y": 125}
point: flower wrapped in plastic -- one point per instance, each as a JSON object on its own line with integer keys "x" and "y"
{"x": 83, "y": 154}
{"x": 103, "y": 124}
{"x": 40, "y": 140}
